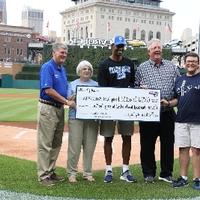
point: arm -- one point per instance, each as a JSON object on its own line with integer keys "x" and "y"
{"x": 170, "y": 103}
{"x": 102, "y": 76}
{"x": 55, "y": 95}
{"x": 132, "y": 75}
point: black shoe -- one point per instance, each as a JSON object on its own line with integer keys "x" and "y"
{"x": 47, "y": 182}
{"x": 56, "y": 178}
{"x": 196, "y": 184}
{"x": 180, "y": 182}
{"x": 149, "y": 179}
{"x": 167, "y": 179}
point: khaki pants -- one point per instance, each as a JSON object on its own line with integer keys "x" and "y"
{"x": 82, "y": 133}
{"x": 49, "y": 139}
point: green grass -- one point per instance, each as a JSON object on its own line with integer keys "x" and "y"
{"x": 21, "y": 108}
{"x": 18, "y": 91}
{"x": 20, "y": 176}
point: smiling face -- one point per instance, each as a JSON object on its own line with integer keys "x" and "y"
{"x": 192, "y": 65}
{"x": 85, "y": 73}
{"x": 155, "y": 52}
{"x": 60, "y": 55}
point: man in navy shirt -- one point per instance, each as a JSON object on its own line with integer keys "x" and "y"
{"x": 117, "y": 71}
{"x": 187, "y": 126}
{"x": 53, "y": 97}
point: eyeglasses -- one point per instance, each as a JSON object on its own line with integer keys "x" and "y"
{"x": 192, "y": 61}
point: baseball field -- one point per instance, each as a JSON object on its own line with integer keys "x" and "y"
{"x": 18, "y": 111}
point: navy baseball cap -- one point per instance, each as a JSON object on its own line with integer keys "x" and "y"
{"x": 117, "y": 40}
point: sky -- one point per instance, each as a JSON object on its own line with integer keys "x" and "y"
{"x": 187, "y": 13}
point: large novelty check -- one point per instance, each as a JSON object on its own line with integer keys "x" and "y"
{"x": 107, "y": 103}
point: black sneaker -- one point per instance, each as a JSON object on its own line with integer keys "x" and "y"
{"x": 56, "y": 178}
{"x": 167, "y": 179}
{"x": 180, "y": 182}
{"x": 108, "y": 177}
{"x": 149, "y": 179}
{"x": 196, "y": 184}
{"x": 126, "y": 176}
{"x": 47, "y": 182}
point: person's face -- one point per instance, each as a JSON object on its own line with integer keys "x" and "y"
{"x": 191, "y": 64}
{"x": 85, "y": 73}
{"x": 117, "y": 50}
{"x": 60, "y": 56}
{"x": 155, "y": 52}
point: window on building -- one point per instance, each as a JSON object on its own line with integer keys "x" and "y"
{"x": 127, "y": 33}
{"x": 143, "y": 35}
{"x": 21, "y": 52}
{"x": 134, "y": 34}
{"x": 150, "y": 35}
{"x": 17, "y": 51}
{"x": 68, "y": 35}
{"x": 8, "y": 51}
{"x": 158, "y": 35}
{"x": 86, "y": 32}
{"x": 81, "y": 32}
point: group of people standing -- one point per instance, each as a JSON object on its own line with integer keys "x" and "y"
{"x": 118, "y": 71}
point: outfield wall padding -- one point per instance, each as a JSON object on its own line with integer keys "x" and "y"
{"x": 8, "y": 82}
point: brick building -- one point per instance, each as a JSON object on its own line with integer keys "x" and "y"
{"x": 14, "y": 42}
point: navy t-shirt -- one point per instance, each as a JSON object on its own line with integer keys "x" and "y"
{"x": 116, "y": 74}
{"x": 53, "y": 76}
{"x": 187, "y": 90}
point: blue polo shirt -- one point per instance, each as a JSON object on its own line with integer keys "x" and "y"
{"x": 53, "y": 76}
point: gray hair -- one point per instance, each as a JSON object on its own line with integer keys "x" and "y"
{"x": 57, "y": 46}
{"x": 83, "y": 64}
{"x": 152, "y": 41}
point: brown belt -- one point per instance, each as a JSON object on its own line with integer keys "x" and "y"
{"x": 57, "y": 105}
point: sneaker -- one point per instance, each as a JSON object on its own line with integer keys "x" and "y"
{"x": 57, "y": 178}
{"x": 89, "y": 178}
{"x": 108, "y": 177}
{"x": 149, "y": 179}
{"x": 167, "y": 179}
{"x": 47, "y": 182}
{"x": 126, "y": 176}
{"x": 196, "y": 184}
{"x": 72, "y": 179}
{"x": 180, "y": 182}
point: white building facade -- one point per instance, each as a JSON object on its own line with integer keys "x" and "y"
{"x": 133, "y": 19}
{"x": 33, "y": 18}
{"x": 190, "y": 41}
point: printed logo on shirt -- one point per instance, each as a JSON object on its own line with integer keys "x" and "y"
{"x": 184, "y": 89}
{"x": 56, "y": 75}
{"x": 120, "y": 71}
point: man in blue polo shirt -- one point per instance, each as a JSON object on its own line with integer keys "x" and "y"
{"x": 53, "y": 97}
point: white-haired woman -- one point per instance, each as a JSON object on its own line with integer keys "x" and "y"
{"x": 82, "y": 133}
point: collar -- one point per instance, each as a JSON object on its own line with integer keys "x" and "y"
{"x": 56, "y": 66}
{"x": 155, "y": 64}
